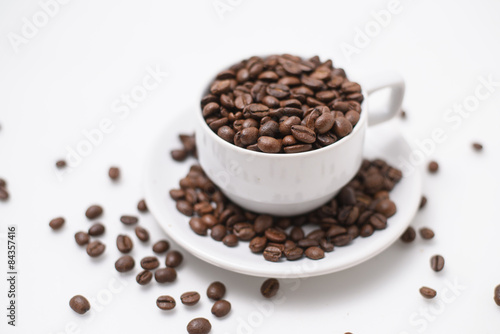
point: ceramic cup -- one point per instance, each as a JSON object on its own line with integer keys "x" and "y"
{"x": 290, "y": 184}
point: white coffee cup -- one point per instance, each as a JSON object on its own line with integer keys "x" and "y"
{"x": 287, "y": 184}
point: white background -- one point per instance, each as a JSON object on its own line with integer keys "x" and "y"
{"x": 65, "y": 79}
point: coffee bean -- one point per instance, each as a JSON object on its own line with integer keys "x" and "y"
{"x": 306, "y": 243}
{"x": 262, "y": 223}
{"x": 342, "y": 240}
{"x": 326, "y": 245}
{"x": 324, "y": 123}
{"x": 179, "y": 155}
{"x": 258, "y": 244}
{"x": 221, "y": 308}
{"x": 303, "y": 134}
{"x": 427, "y": 292}
{"x": 426, "y": 233}
{"x": 386, "y": 207}
{"x": 226, "y": 133}
{"x": 173, "y": 259}
{"x": 4, "y": 194}
{"x": 216, "y": 291}
{"x": 230, "y": 240}
{"x": 269, "y": 288}
{"x": 342, "y": 127}
{"x": 496, "y": 295}
{"x": 272, "y": 253}
{"x": 423, "y": 202}
{"x": 269, "y": 144}
{"x": 79, "y": 304}
{"x": 275, "y": 235}
{"x": 209, "y": 220}
{"x": 150, "y": 263}
{"x": 144, "y": 277}
{"x": 378, "y": 221}
{"x": 129, "y": 220}
{"x": 279, "y": 91}
{"x": 477, "y": 146}
{"x": 314, "y": 253}
{"x": 57, "y": 223}
{"x": 161, "y": 246}
{"x": 165, "y": 303}
{"x": 177, "y": 194}
{"x": 188, "y": 142}
{"x": 437, "y": 263}
{"x": 409, "y": 235}
{"x": 190, "y": 298}
{"x": 165, "y": 275}
{"x": 95, "y": 248}
{"x": 199, "y": 326}
{"x": 93, "y": 211}
{"x": 61, "y": 163}
{"x": 366, "y": 230}
{"x": 317, "y": 234}
{"x": 433, "y": 167}
{"x": 141, "y": 206}
{"x": 82, "y": 238}
{"x": 96, "y": 229}
{"x": 142, "y": 234}
{"x": 296, "y": 233}
{"x": 185, "y": 208}
{"x": 244, "y": 231}
{"x": 298, "y": 148}
{"x": 218, "y": 232}
{"x": 124, "y": 243}
{"x": 293, "y": 253}
{"x": 114, "y": 173}
{"x": 125, "y": 263}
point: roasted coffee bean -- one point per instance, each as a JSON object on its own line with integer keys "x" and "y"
{"x": 316, "y": 234}
{"x": 198, "y": 226}
{"x": 423, "y": 202}
{"x": 306, "y": 243}
{"x": 226, "y": 133}
{"x": 335, "y": 230}
{"x": 426, "y": 233}
{"x": 124, "y": 243}
{"x": 269, "y": 144}
{"x": 141, "y": 206}
{"x": 427, "y": 292}
{"x": 477, "y": 146}
{"x": 303, "y": 134}
{"x": 496, "y": 295}
{"x": 199, "y": 326}
{"x": 150, "y": 263}
{"x": 114, "y": 173}
{"x": 189, "y": 142}
{"x": 218, "y": 232}
{"x": 270, "y": 287}
{"x": 164, "y": 275}
{"x": 342, "y": 240}
{"x": 314, "y": 253}
{"x": 378, "y": 221}
{"x": 324, "y": 123}
{"x": 275, "y": 235}
{"x": 79, "y": 304}
{"x": 59, "y": 164}
{"x": 249, "y": 136}
{"x": 221, "y": 308}
{"x": 82, "y": 238}
{"x": 279, "y": 91}
{"x": 177, "y": 194}
{"x": 216, "y": 290}
{"x": 244, "y": 231}
{"x": 286, "y": 123}
{"x": 142, "y": 234}
{"x": 129, "y": 220}
{"x": 173, "y": 259}
{"x": 57, "y": 223}
{"x": 258, "y": 244}
{"x": 161, "y": 246}
{"x": 97, "y": 229}
{"x": 298, "y": 148}
{"x": 366, "y": 230}
{"x": 144, "y": 277}
{"x": 433, "y": 167}
{"x": 218, "y": 123}
{"x": 125, "y": 263}
{"x": 262, "y": 223}
{"x": 293, "y": 253}
{"x": 179, "y": 155}
{"x": 185, "y": 208}
{"x": 165, "y": 303}
{"x": 4, "y": 194}
{"x": 386, "y": 207}
{"x": 342, "y": 127}
{"x": 409, "y": 235}
{"x": 297, "y": 233}
{"x": 190, "y": 298}
{"x": 272, "y": 253}
{"x": 326, "y": 245}
{"x": 93, "y": 211}
{"x": 230, "y": 240}
{"x": 437, "y": 263}
{"x": 95, "y": 248}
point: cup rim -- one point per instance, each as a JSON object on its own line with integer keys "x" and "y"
{"x": 356, "y": 128}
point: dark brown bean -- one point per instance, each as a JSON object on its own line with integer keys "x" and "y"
{"x": 142, "y": 234}
{"x": 173, "y": 259}
{"x": 165, "y": 303}
{"x": 161, "y": 246}
{"x": 179, "y": 155}
{"x": 221, "y": 308}
{"x": 56, "y": 223}
{"x": 165, "y": 275}
{"x": 59, "y": 164}
{"x": 97, "y": 229}
{"x": 141, "y": 206}
{"x": 216, "y": 290}
{"x": 324, "y": 123}
{"x": 275, "y": 235}
{"x": 185, "y": 208}
{"x": 150, "y": 263}
{"x": 218, "y": 232}
{"x": 94, "y": 211}
{"x": 496, "y": 295}
{"x": 342, "y": 127}
{"x": 198, "y": 226}
{"x": 427, "y": 292}
{"x": 79, "y": 304}
{"x": 124, "y": 243}
{"x": 386, "y": 207}
{"x": 230, "y": 240}
{"x": 303, "y": 134}
{"x": 433, "y": 167}
{"x": 190, "y": 298}
{"x": 129, "y": 220}
{"x": 409, "y": 235}
{"x": 95, "y": 248}
{"x": 477, "y": 146}
{"x": 82, "y": 238}
{"x": 426, "y": 233}
{"x": 144, "y": 277}
{"x": 314, "y": 253}
{"x": 258, "y": 244}
{"x": 272, "y": 253}
{"x": 437, "y": 263}
{"x": 226, "y": 133}
{"x": 125, "y": 263}
{"x": 114, "y": 173}
{"x": 269, "y": 288}
{"x": 199, "y": 326}
{"x": 293, "y": 253}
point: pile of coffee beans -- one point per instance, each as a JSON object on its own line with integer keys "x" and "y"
{"x": 282, "y": 104}
{"x": 4, "y": 194}
{"x": 361, "y": 208}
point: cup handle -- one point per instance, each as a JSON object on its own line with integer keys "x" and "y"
{"x": 392, "y": 80}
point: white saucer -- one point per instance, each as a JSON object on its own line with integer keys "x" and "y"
{"x": 163, "y": 174}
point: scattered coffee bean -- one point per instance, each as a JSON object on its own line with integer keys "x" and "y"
{"x": 199, "y": 326}
{"x": 173, "y": 259}
{"x": 79, "y": 304}
{"x": 95, "y": 248}
{"x": 124, "y": 243}
{"x": 150, "y": 263}
{"x": 142, "y": 234}
{"x": 60, "y": 163}
{"x": 428, "y": 292}
{"x": 179, "y": 155}
{"x": 97, "y": 229}
{"x": 409, "y": 235}
{"x": 270, "y": 287}
{"x": 165, "y": 303}
{"x": 144, "y": 277}
{"x": 94, "y": 211}
{"x": 141, "y": 206}
{"x": 125, "y": 263}
{"x": 437, "y": 263}
{"x": 82, "y": 238}
{"x": 477, "y": 146}
{"x": 3, "y": 183}
{"x": 426, "y": 233}
{"x": 114, "y": 173}
{"x": 221, "y": 308}
{"x": 161, "y": 246}
{"x": 57, "y": 223}
{"x": 496, "y": 295}
{"x": 190, "y": 298}
{"x": 4, "y": 194}
{"x": 433, "y": 167}
{"x": 216, "y": 291}
{"x": 423, "y": 202}
{"x": 129, "y": 220}
{"x": 164, "y": 275}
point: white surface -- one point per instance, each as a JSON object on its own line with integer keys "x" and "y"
{"x": 65, "y": 79}
{"x": 381, "y": 142}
